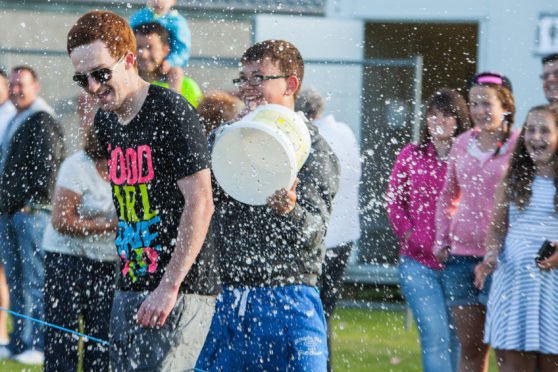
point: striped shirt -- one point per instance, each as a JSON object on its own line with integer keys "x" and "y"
{"x": 522, "y": 311}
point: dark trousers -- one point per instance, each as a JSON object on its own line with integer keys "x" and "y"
{"x": 330, "y": 282}
{"x": 77, "y": 286}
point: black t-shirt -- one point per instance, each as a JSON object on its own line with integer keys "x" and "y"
{"x": 163, "y": 143}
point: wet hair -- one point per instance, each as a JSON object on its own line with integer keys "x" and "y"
{"x": 92, "y": 146}
{"x": 3, "y": 73}
{"x": 550, "y": 58}
{"x": 521, "y": 172}
{"x": 150, "y": 28}
{"x": 310, "y": 102}
{"x": 504, "y": 94}
{"x": 105, "y": 26}
{"x": 26, "y": 68}
{"x": 449, "y": 103}
{"x": 218, "y": 107}
{"x": 288, "y": 56}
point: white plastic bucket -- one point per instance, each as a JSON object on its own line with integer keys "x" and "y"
{"x": 260, "y": 154}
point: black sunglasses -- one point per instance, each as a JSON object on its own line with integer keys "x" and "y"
{"x": 101, "y": 75}
{"x": 257, "y": 79}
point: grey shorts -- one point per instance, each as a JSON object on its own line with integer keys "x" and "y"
{"x": 173, "y": 347}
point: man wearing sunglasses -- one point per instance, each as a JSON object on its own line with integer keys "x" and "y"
{"x": 269, "y": 316}
{"x": 31, "y": 150}
{"x": 161, "y": 186}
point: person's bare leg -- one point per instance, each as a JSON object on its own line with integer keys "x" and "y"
{"x": 499, "y": 357}
{"x": 5, "y": 303}
{"x": 547, "y": 362}
{"x": 516, "y": 361}
{"x": 469, "y": 320}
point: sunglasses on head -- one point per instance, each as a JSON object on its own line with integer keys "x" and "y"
{"x": 101, "y": 75}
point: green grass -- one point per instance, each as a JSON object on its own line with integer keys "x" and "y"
{"x": 362, "y": 341}
{"x": 11, "y": 366}
{"x": 7, "y": 365}
{"x": 377, "y": 341}
{"x": 372, "y": 340}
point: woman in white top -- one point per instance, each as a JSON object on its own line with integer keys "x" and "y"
{"x": 80, "y": 259}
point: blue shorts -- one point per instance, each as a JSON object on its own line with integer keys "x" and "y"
{"x": 459, "y": 282}
{"x": 271, "y": 329}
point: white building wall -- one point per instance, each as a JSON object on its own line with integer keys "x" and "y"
{"x": 322, "y": 39}
{"x": 507, "y": 33}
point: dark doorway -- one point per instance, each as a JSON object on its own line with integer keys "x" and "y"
{"x": 449, "y": 54}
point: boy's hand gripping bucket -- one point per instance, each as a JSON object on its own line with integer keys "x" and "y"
{"x": 260, "y": 154}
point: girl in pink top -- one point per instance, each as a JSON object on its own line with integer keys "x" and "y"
{"x": 478, "y": 160}
{"x": 415, "y": 184}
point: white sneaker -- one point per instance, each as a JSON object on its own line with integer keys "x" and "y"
{"x": 5, "y": 353}
{"x": 30, "y": 357}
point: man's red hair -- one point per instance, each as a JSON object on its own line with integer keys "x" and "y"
{"x": 105, "y": 26}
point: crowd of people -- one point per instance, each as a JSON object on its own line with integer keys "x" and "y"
{"x": 149, "y": 241}
{"x": 133, "y": 238}
{"x": 472, "y": 198}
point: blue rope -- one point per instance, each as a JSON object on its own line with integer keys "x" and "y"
{"x": 55, "y": 326}
{"x": 70, "y": 331}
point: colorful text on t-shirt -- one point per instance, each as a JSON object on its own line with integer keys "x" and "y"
{"x": 130, "y": 171}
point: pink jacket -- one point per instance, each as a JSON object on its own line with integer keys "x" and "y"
{"x": 416, "y": 181}
{"x": 464, "y": 211}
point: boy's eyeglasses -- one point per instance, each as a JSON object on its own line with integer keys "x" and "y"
{"x": 257, "y": 79}
{"x": 101, "y": 75}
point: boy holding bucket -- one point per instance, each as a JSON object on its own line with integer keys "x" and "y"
{"x": 269, "y": 316}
